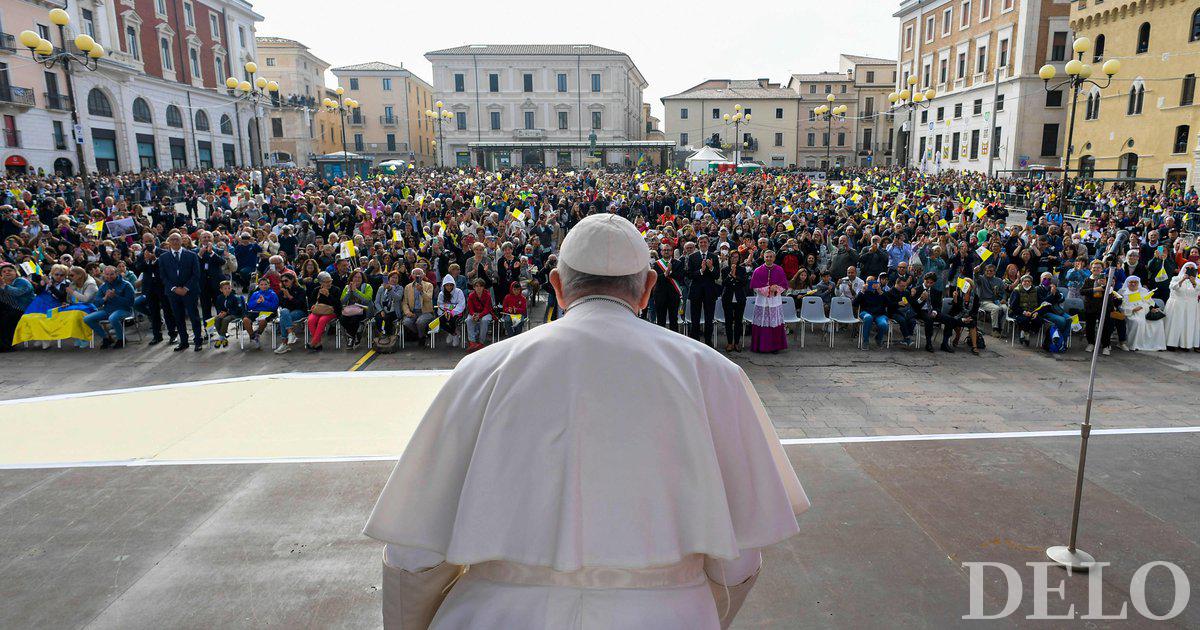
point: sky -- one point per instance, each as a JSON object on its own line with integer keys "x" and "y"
{"x": 675, "y": 44}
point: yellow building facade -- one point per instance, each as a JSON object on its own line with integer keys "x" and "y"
{"x": 1146, "y": 124}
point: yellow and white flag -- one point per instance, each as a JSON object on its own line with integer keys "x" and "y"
{"x": 348, "y": 250}
{"x": 435, "y": 325}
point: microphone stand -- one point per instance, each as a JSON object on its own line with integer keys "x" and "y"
{"x": 1069, "y": 556}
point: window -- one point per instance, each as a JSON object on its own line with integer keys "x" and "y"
{"x": 1006, "y": 6}
{"x": 1128, "y": 164}
{"x": 999, "y": 102}
{"x": 141, "y": 111}
{"x": 276, "y": 127}
{"x": 562, "y": 82}
{"x": 954, "y": 146}
{"x": 1049, "y": 139}
{"x": 146, "y": 157}
{"x": 242, "y": 36}
{"x": 746, "y": 111}
{"x": 974, "y": 144}
{"x": 985, "y": 10}
{"x": 98, "y": 104}
{"x": 189, "y": 15}
{"x": 596, "y": 82}
{"x": 460, "y": 121}
{"x": 1181, "y": 139}
{"x": 812, "y": 139}
{"x": 870, "y": 76}
{"x": 460, "y": 82}
{"x": 1187, "y": 93}
{"x": 778, "y": 139}
{"x": 937, "y": 144}
{"x": 843, "y": 88}
{"x": 164, "y": 48}
{"x": 1194, "y": 34}
{"x": 866, "y": 142}
{"x": 391, "y": 142}
{"x": 825, "y": 139}
{"x": 1058, "y": 46}
{"x": 89, "y": 23}
{"x": 174, "y": 117}
{"x": 977, "y": 107}
{"x": 160, "y": 7}
{"x": 597, "y": 120}
{"x": 358, "y": 142}
{"x": 226, "y": 125}
{"x": 202, "y": 121}
{"x": 214, "y": 26}
{"x": 925, "y": 76}
{"x": 131, "y": 43}
{"x": 194, "y": 56}
{"x": 1054, "y": 98}
{"x": 908, "y": 36}
{"x": 1136, "y": 95}
{"x": 563, "y": 121}
{"x": 965, "y": 14}
{"x": 962, "y": 65}
{"x": 1003, "y": 60}
{"x": 924, "y": 116}
{"x": 941, "y": 114}
{"x": 1087, "y": 166}
{"x": 716, "y": 113}
{"x": 828, "y": 89}
{"x": 270, "y": 62}
{"x": 493, "y": 82}
{"x": 812, "y": 115}
{"x": 683, "y": 113}
{"x": 527, "y": 82}
{"x": 868, "y": 106}
{"x": 354, "y": 83}
{"x": 930, "y": 27}
{"x": 942, "y": 71}
{"x": 958, "y": 110}
{"x": 812, "y": 89}
{"x": 529, "y": 120}
{"x": 1092, "y": 109}
{"x": 683, "y": 139}
{"x": 387, "y": 84}
{"x": 996, "y": 140}
{"x": 1098, "y": 49}
{"x": 947, "y": 20}
{"x": 980, "y": 59}
{"x": 841, "y": 138}
{"x": 219, "y": 69}
{"x": 1143, "y": 40}
{"x": 494, "y": 119}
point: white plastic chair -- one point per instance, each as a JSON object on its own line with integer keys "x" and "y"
{"x": 841, "y": 311}
{"x": 812, "y": 312}
{"x": 790, "y": 317}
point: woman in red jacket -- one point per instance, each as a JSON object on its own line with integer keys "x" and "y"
{"x": 479, "y": 315}
{"x": 515, "y": 309}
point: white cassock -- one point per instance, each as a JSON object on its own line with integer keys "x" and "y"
{"x": 1143, "y": 334}
{"x": 1183, "y": 310}
{"x": 594, "y": 472}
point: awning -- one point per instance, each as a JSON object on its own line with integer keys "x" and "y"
{"x": 15, "y": 160}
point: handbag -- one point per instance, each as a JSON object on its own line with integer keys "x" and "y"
{"x": 351, "y": 310}
{"x": 1155, "y": 314}
{"x": 321, "y": 309}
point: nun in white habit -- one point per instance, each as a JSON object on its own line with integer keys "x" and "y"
{"x": 594, "y": 472}
{"x": 1136, "y": 303}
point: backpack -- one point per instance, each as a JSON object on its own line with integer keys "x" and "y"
{"x": 1057, "y": 344}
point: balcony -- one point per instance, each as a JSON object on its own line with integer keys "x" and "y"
{"x": 13, "y": 95}
{"x": 12, "y": 138}
{"x": 355, "y": 121}
{"x": 8, "y": 43}
{"x": 389, "y": 121}
{"x": 750, "y": 145}
{"x": 529, "y": 134}
{"x": 57, "y": 101}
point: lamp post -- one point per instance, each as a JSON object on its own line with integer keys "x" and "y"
{"x": 343, "y": 106}
{"x": 1078, "y": 74}
{"x": 910, "y": 99}
{"x": 439, "y": 116}
{"x": 43, "y": 53}
{"x": 736, "y": 120}
{"x": 828, "y": 115}
{"x": 255, "y": 91}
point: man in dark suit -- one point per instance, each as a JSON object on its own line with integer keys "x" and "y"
{"x": 180, "y": 271}
{"x": 704, "y": 270}
{"x": 153, "y": 301}
{"x": 667, "y": 291}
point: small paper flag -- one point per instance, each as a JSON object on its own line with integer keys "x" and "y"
{"x": 984, "y": 253}
{"x": 435, "y": 325}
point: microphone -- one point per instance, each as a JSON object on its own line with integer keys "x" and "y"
{"x": 1118, "y": 244}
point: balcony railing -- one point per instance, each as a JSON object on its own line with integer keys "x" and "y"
{"x": 57, "y": 101}
{"x": 12, "y": 138}
{"x": 750, "y": 145}
{"x": 389, "y": 121}
{"x": 13, "y": 95}
{"x": 355, "y": 121}
{"x": 8, "y": 43}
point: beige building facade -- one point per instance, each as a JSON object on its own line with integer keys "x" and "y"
{"x": 1146, "y": 124}
{"x": 695, "y": 118}
{"x": 391, "y": 122}
{"x": 873, "y": 79}
{"x": 291, "y": 120}
{"x": 982, "y": 58}
{"x": 826, "y": 142}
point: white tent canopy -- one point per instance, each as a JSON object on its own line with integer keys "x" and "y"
{"x": 698, "y": 162}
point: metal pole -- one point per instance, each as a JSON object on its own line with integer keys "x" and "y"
{"x": 992, "y": 132}
{"x": 76, "y": 128}
{"x": 1075, "y": 81}
{"x": 909, "y": 137}
{"x": 345, "y": 155}
{"x": 1070, "y": 556}
{"x": 828, "y": 141}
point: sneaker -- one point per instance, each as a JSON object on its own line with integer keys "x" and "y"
{"x": 1124, "y": 347}
{"x": 107, "y": 343}
{"x": 1106, "y": 351}
{"x": 283, "y": 349}
{"x": 292, "y": 339}
{"x": 1090, "y": 347}
{"x": 255, "y": 344}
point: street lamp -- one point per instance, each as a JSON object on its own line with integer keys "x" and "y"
{"x": 910, "y": 99}
{"x": 736, "y": 120}
{"x": 827, "y": 114}
{"x": 343, "y": 107}
{"x": 439, "y": 116}
{"x": 255, "y": 91}
{"x": 1078, "y": 74}
{"x": 44, "y": 53}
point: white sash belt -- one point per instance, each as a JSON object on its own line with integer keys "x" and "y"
{"x": 689, "y": 572}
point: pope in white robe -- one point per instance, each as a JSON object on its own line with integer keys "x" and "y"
{"x": 594, "y": 472}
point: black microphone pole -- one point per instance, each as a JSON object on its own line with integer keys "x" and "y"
{"x": 1069, "y": 556}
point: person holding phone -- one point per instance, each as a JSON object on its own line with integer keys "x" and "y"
{"x": 1183, "y": 310}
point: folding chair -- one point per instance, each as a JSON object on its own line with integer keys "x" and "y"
{"x": 841, "y": 311}
{"x": 812, "y": 312}
{"x": 790, "y": 317}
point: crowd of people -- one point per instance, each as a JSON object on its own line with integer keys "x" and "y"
{"x": 202, "y": 256}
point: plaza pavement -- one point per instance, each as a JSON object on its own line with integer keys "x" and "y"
{"x": 278, "y": 545}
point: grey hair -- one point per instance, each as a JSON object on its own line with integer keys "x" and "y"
{"x": 576, "y": 284}
{"x": 323, "y": 276}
